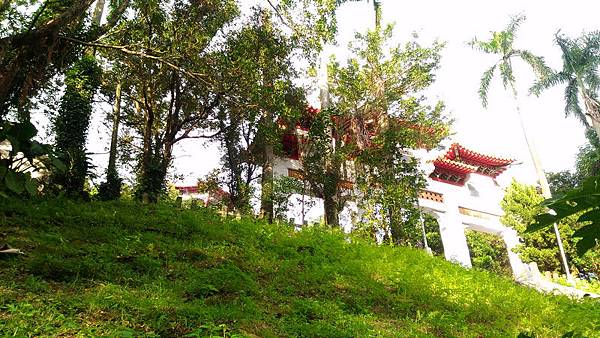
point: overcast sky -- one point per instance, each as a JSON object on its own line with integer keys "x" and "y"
{"x": 494, "y": 130}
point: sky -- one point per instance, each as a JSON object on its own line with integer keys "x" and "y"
{"x": 495, "y": 130}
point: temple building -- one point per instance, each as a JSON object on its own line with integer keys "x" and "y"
{"x": 462, "y": 194}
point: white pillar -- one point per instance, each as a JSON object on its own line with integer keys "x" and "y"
{"x": 453, "y": 236}
{"x": 520, "y": 269}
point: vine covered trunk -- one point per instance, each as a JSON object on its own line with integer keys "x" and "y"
{"x": 331, "y": 198}
{"x": 111, "y": 189}
{"x": 112, "y": 156}
{"x": 266, "y": 200}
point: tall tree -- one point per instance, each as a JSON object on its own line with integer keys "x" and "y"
{"x": 72, "y": 123}
{"x": 111, "y": 188}
{"x": 501, "y": 44}
{"x": 581, "y": 58}
{"x": 171, "y": 53}
{"x": 521, "y": 204}
{"x": 377, "y": 112}
{"x": 259, "y": 74}
{"x": 74, "y": 115}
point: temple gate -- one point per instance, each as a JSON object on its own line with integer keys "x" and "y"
{"x": 462, "y": 193}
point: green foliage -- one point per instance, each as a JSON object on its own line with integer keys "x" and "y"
{"x": 20, "y": 157}
{"x": 582, "y": 202}
{"x": 178, "y": 48}
{"x": 488, "y": 252}
{"x": 72, "y": 122}
{"x": 580, "y": 61}
{"x": 283, "y": 189}
{"x": 521, "y": 205}
{"x": 151, "y": 177}
{"x": 588, "y": 158}
{"x": 38, "y": 41}
{"x": 111, "y": 188}
{"x": 378, "y": 114}
{"x": 322, "y": 162}
{"x": 126, "y": 269}
{"x": 561, "y": 181}
{"x": 257, "y": 62}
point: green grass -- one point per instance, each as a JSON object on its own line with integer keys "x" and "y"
{"x": 126, "y": 270}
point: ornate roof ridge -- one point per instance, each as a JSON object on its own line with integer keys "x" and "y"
{"x": 488, "y": 160}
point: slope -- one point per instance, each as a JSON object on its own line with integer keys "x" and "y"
{"x": 124, "y": 269}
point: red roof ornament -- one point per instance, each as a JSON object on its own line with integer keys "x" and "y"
{"x": 454, "y": 166}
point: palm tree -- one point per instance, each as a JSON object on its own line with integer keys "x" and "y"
{"x": 501, "y": 44}
{"x": 580, "y": 74}
{"x": 377, "y": 8}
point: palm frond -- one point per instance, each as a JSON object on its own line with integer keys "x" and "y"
{"x": 569, "y": 50}
{"x": 549, "y": 80}
{"x": 506, "y": 74}
{"x": 485, "y": 84}
{"x": 515, "y": 23}
{"x": 592, "y": 42}
{"x": 592, "y": 79}
{"x": 537, "y": 63}
{"x": 482, "y": 46}
{"x": 572, "y": 106}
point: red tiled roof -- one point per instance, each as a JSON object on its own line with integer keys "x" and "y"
{"x": 460, "y": 161}
{"x": 475, "y": 158}
{"x": 453, "y": 166}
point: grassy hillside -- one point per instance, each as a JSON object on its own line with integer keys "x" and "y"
{"x": 122, "y": 269}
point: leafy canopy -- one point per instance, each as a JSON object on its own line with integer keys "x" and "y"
{"x": 585, "y": 200}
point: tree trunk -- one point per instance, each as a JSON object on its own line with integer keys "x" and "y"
{"x": 147, "y": 138}
{"x": 330, "y": 204}
{"x": 592, "y": 108}
{"x": 542, "y": 180}
{"x": 111, "y": 188}
{"x": 330, "y": 199}
{"x": 377, "y": 7}
{"x": 266, "y": 199}
{"x": 596, "y": 126}
{"x": 112, "y": 156}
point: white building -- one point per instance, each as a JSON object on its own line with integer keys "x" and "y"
{"x": 462, "y": 193}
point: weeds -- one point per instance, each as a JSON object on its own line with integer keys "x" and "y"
{"x": 121, "y": 269}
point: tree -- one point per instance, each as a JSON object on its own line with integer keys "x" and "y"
{"x": 581, "y": 59}
{"x": 377, "y": 112}
{"x": 488, "y": 252}
{"x": 588, "y": 158}
{"x": 171, "y": 92}
{"x": 73, "y": 119}
{"x": 111, "y": 188}
{"x": 501, "y": 44}
{"x": 587, "y": 165}
{"x": 521, "y": 204}
{"x": 256, "y": 75}
{"x": 72, "y": 123}
{"x": 562, "y": 181}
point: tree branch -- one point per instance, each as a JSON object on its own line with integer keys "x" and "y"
{"x": 283, "y": 20}
{"x": 186, "y": 135}
{"x": 126, "y": 50}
